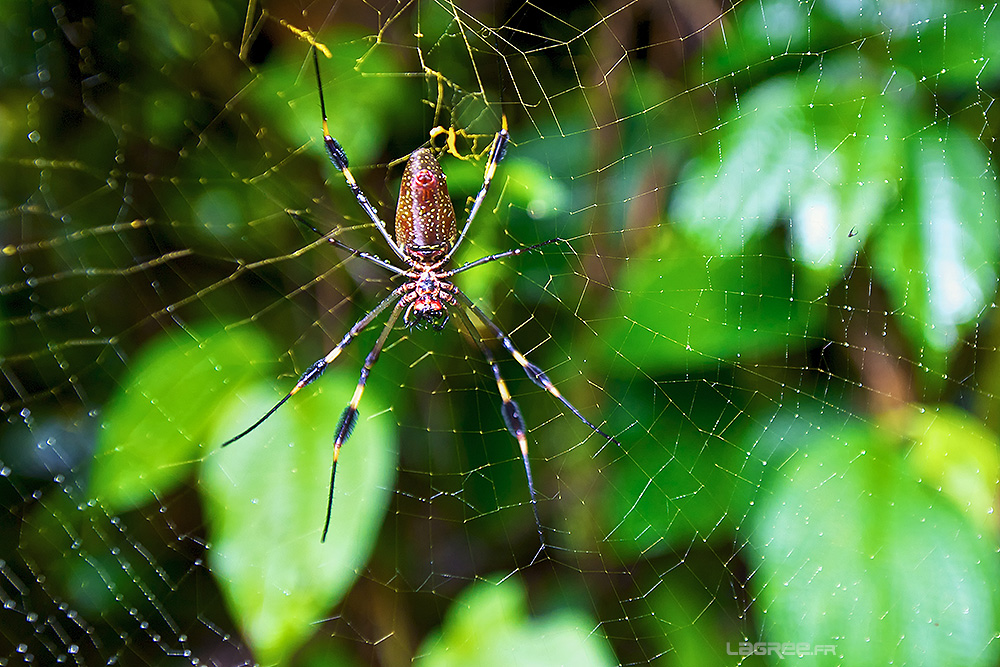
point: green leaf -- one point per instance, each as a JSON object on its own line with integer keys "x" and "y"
{"x": 684, "y": 483}
{"x": 360, "y": 108}
{"x": 265, "y": 497}
{"x": 489, "y": 625}
{"x": 167, "y": 30}
{"x": 851, "y": 550}
{"x": 761, "y": 34}
{"x": 937, "y": 255}
{"x": 822, "y": 148}
{"x": 155, "y": 426}
{"x": 956, "y": 454}
{"x": 734, "y": 190}
{"x": 680, "y": 309}
{"x": 947, "y": 44}
{"x": 691, "y": 612}
{"x": 528, "y": 185}
{"x": 858, "y": 131}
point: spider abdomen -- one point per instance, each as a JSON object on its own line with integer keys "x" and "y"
{"x": 425, "y": 217}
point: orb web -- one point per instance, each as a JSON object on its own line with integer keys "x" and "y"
{"x": 774, "y": 285}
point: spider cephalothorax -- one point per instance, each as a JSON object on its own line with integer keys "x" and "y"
{"x": 427, "y": 296}
{"x": 426, "y": 239}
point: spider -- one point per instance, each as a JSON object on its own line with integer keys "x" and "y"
{"x": 426, "y": 239}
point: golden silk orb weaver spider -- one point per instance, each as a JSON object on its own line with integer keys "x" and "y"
{"x": 426, "y": 237}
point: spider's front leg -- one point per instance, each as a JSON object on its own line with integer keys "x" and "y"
{"x": 338, "y": 156}
{"x": 374, "y": 259}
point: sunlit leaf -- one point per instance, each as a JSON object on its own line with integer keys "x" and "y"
{"x": 944, "y": 42}
{"x": 938, "y": 253}
{"x": 265, "y": 498}
{"x": 957, "y": 454}
{"x": 821, "y": 150}
{"x": 858, "y": 132}
{"x": 734, "y": 190}
{"x": 489, "y": 625}
{"x": 850, "y": 550}
{"x": 155, "y": 427}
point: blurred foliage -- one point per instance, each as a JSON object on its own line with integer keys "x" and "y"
{"x": 775, "y": 285}
{"x": 562, "y": 637}
{"x": 261, "y": 500}
{"x": 898, "y": 561}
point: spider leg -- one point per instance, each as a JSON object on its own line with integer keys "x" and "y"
{"x": 374, "y": 259}
{"x": 511, "y": 413}
{"x": 497, "y": 152}
{"x": 350, "y": 415}
{"x": 535, "y": 374}
{"x": 493, "y": 258}
{"x": 339, "y": 159}
{"x": 313, "y": 372}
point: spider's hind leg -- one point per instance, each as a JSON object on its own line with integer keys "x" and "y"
{"x": 511, "y": 415}
{"x": 349, "y": 417}
{"x": 534, "y": 373}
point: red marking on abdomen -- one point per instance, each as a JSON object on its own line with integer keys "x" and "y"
{"x": 424, "y": 184}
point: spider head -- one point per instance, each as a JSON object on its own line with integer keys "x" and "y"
{"x": 426, "y": 311}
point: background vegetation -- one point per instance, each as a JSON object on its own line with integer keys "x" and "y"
{"x": 777, "y": 288}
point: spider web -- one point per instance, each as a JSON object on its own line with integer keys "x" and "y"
{"x": 775, "y": 286}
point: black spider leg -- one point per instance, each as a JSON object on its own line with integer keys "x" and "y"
{"x": 534, "y": 372}
{"x": 350, "y": 415}
{"x": 313, "y": 372}
{"x": 493, "y": 258}
{"x": 374, "y": 259}
{"x": 511, "y": 414}
{"x": 339, "y": 159}
{"x": 497, "y": 152}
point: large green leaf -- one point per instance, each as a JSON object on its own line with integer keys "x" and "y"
{"x": 265, "y": 497}
{"x": 284, "y": 92}
{"x": 939, "y": 251}
{"x": 489, "y": 625}
{"x": 735, "y": 188}
{"x": 854, "y": 174}
{"x": 949, "y": 44}
{"x": 680, "y": 309}
{"x": 849, "y": 549}
{"x": 821, "y": 148}
{"x": 758, "y": 35}
{"x": 155, "y": 426}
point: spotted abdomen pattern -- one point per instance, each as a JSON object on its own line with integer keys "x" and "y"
{"x": 425, "y": 217}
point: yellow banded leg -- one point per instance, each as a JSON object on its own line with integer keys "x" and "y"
{"x": 338, "y": 156}
{"x": 313, "y": 372}
{"x": 349, "y": 418}
{"x": 511, "y": 416}
{"x": 497, "y": 151}
{"x": 531, "y": 370}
